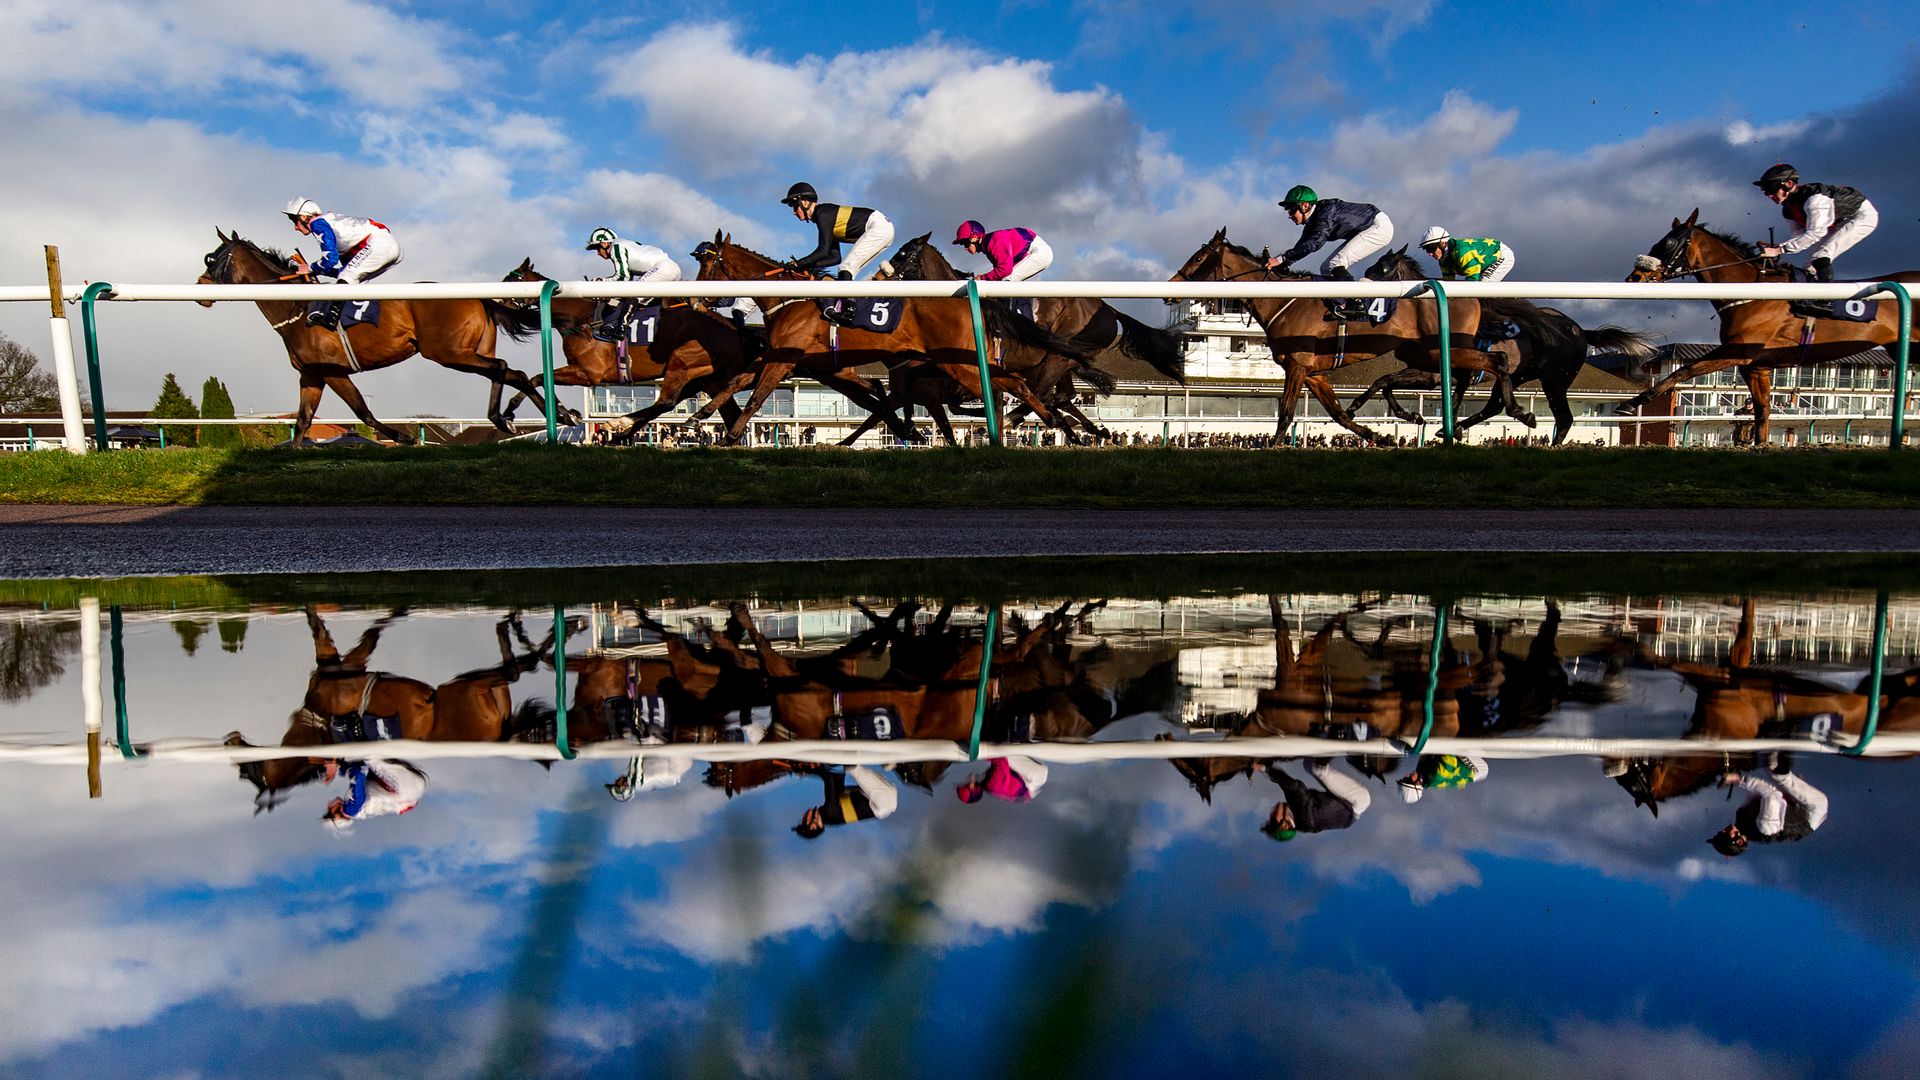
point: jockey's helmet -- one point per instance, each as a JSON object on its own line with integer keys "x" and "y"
{"x": 1300, "y": 195}
{"x": 705, "y": 249}
{"x": 801, "y": 192}
{"x": 1435, "y": 235}
{"x": 300, "y": 206}
{"x": 969, "y": 230}
{"x": 1778, "y": 176}
{"x": 600, "y": 236}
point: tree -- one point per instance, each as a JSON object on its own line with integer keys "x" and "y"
{"x": 24, "y": 386}
{"x": 174, "y": 404}
{"x": 217, "y": 404}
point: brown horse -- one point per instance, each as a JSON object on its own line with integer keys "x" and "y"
{"x": 1551, "y": 348}
{"x": 1308, "y": 343}
{"x": 474, "y": 707}
{"x": 459, "y": 334}
{"x": 1756, "y": 336}
{"x": 937, "y": 331}
{"x": 1737, "y": 700}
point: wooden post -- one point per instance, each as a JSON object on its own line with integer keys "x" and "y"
{"x": 64, "y": 375}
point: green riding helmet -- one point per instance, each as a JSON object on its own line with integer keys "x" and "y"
{"x": 600, "y": 236}
{"x": 1301, "y": 195}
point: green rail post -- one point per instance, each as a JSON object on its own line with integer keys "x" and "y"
{"x": 986, "y": 676}
{"x": 560, "y": 683}
{"x": 1433, "y": 679}
{"x": 163, "y": 435}
{"x": 114, "y": 640}
{"x": 29, "y": 436}
{"x": 1899, "y": 433}
{"x": 1872, "y": 723}
{"x": 90, "y": 334}
{"x": 546, "y": 360}
{"x": 1446, "y": 363}
{"x": 980, "y": 349}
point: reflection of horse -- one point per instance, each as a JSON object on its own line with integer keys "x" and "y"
{"x": 687, "y": 695}
{"x": 937, "y": 331}
{"x": 1736, "y": 700}
{"x": 1552, "y": 349}
{"x": 1756, "y": 336}
{"x": 459, "y": 334}
{"x": 474, "y": 707}
{"x": 1308, "y": 343}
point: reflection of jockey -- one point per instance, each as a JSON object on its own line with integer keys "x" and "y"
{"x": 868, "y": 230}
{"x": 1016, "y": 254}
{"x": 375, "y": 788}
{"x": 1484, "y": 259}
{"x": 1014, "y": 778}
{"x": 648, "y": 773}
{"x": 1784, "y": 807}
{"x": 631, "y": 262}
{"x": 1306, "y": 810}
{"x": 1830, "y": 219}
{"x": 1442, "y": 771}
{"x": 1364, "y": 228}
{"x": 869, "y": 797}
{"x": 351, "y": 249}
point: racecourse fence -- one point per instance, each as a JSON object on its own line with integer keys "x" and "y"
{"x": 543, "y": 294}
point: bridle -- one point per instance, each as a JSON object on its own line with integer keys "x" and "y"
{"x": 1676, "y": 264}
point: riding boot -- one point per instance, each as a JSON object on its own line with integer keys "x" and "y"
{"x": 605, "y": 328}
{"x": 1346, "y": 307}
{"x": 1819, "y": 271}
{"x": 324, "y": 314}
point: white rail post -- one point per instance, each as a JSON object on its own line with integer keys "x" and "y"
{"x": 90, "y": 688}
{"x": 63, "y": 373}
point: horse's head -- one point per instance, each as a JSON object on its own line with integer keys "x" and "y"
{"x": 524, "y": 272}
{"x": 1220, "y": 259}
{"x": 275, "y": 778}
{"x": 1396, "y": 266}
{"x": 241, "y": 262}
{"x": 1674, "y": 255}
{"x": 1652, "y": 781}
{"x": 907, "y": 264}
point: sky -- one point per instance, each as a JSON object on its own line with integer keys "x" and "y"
{"x": 1535, "y": 923}
{"x": 1123, "y": 131}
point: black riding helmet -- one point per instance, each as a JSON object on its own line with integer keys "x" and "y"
{"x": 1777, "y": 176}
{"x": 801, "y": 192}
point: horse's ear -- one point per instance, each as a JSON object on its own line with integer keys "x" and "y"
{"x": 716, "y": 237}
{"x": 1694, "y": 218}
{"x": 218, "y": 233}
{"x": 1221, "y": 235}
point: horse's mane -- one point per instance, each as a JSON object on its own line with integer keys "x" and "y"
{"x": 756, "y": 254}
{"x": 1745, "y": 247}
{"x": 1238, "y": 250}
{"x": 272, "y": 255}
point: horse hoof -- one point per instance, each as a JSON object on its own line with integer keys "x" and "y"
{"x": 1525, "y": 418}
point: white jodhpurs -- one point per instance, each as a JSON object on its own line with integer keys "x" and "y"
{"x": 1846, "y": 234}
{"x": 1500, "y": 266}
{"x": 1038, "y": 257}
{"x": 375, "y": 257}
{"x": 878, "y": 234}
{"x": 1367, "y": 241}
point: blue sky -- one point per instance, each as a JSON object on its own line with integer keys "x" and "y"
{"x": 1123, "y": 130}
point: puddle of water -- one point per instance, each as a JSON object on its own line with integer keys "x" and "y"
{"x": 1186, "y": 828}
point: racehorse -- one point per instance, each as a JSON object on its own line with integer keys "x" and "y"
{"x": 1308, "y": 343}
{"x": 459, "y": 334}
{"x": 1756, "y": 336}
{"x": 474, "y": 707}
{"x": 1552, "y": 348}
{"x": 937, "y": 331}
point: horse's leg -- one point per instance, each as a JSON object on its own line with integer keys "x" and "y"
{"x": 311, "y": 387}
{"x": 349, "y": 393}
{"x": 1322, "y": 389}
{"x": 1296, "y": 370}
{"x": 1760, "y": 386}
{"x": 939, "y": 414}
{"x": 1555, "y": 387}
{"x": 770, "y": 375}
{"x": 1720, "y": 359}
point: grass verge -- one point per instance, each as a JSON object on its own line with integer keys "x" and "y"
{"x": 520, "y": 474}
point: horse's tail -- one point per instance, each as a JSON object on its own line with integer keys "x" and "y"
{"x": 1100, "y": 381}
{"x": 1002, "y": 322}
{"x": 1159, "y": 348}
{"x": 519, "y": 324}
{"x": 1618, "y": 339}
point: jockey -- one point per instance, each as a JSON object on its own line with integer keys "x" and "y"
{"x": 352, "y": 250}
{"x": 1303, "y": 809}
{"x": 1485, "y": 259}
{"x": 375, "y": 788}
{"x": 1016, "y": 254}
{"x": 1362, "y": 225}
{"x": 868, "y": 230}
{"x": 1014, "y": 778}
{"x": 870, "y": 796}
{"x": 1830, "y": 219}
{"x": 631, "y": 262}
{"x": 1784, "y": 807}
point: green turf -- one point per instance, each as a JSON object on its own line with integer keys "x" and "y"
{"x": 521, "y": 474}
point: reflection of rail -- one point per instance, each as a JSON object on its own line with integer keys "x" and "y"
{"x": 899, "y": 751}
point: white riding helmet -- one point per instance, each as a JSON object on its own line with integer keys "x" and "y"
{"x": 1434, "y": 236}
{"x": 600, "y": 236}
{"x": 300, "y": 206}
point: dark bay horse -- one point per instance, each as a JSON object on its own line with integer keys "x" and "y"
{"x": 936, "y": 331}
{"x": 1307, "y": 343}
{"x": 459, "y": 334}
{"x": 1551, "y": 349}
{"x": 474, "y": 707}
{"x": 1756, "y": 336}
